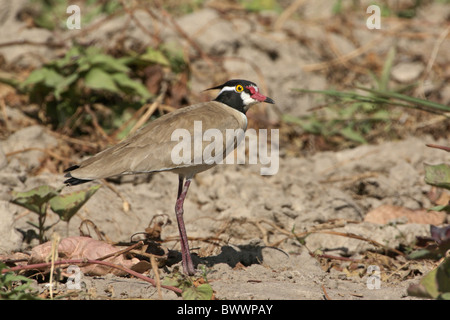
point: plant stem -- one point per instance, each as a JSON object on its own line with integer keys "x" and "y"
{"x": 87, "y": 261}
{"x": 42, "y": 216}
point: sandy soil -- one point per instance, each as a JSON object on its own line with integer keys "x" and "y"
{"x": 246, "y": 229}
{"x": 246, "y": 215}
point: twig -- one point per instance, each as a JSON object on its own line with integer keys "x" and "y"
{"x": 287, "y": 13}
{"x": 50, "y": 153}
{"x": 290, "y": 235}
{"x": 88, "y": 261}
{"x": 150, "y": 109}
{"x": 33, "y": 43}
{"x": 211, "y": 240}
{"x": 101, "y": 236}
{"x": 355, "y": 236}
{"x": 349, "y": 235}
{"x": 345, "y": 63}
{"x": 397, "y": 270}
{"x": 327, "y": 297}
{"x": 155, "y": 270}
{"x": 5, "y": 117}
{"x": 433, "y": 56}
{"x": 97, "y": 126}
{"x": 135, "y": 115}
{"x": 72, "y": 140}
{"x": 328, "y": 256}
{"x": 167, "y": 108}
{"x": 53, "y": 256}
{"x": 115, "y": 254}
{"x": 349, "y": 56}
{"x": 438, "y": 147}
{"x": 130, "y": 12}
{"x": 89, "y": 29}
{"x": 265, "y": 237}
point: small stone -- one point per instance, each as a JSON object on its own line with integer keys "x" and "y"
{"x": 407, "y": 72}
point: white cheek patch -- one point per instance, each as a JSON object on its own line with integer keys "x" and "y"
{"x": 247, "y": 99}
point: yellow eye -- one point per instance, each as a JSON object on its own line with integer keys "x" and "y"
{"x": 239, "y": 88}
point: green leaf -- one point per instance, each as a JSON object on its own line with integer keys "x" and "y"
{"x": 202, "y": 292}
{"x": 412, "y": 102}
{"x": 311, "y": 125}
{"x": 83, "y": 64}
{"x": 67, "y": 205}
{"x": 52, "y": 78}
{"x": 444, "y": 296}
{"x": 385, "y": 75}
{"x": 108, "y": 63}
{"x": 126, "y": 60}
{"x": 261, "y": 5}
{"x": 10, "y": 289}
{"x": 63, "y": 85}
{"x": 438, "y": 175}
{"x": 440, "y": 208}
{"x": 96, "y": 78}
{"x": 351, "y": 134}
{"x": 435, "y": 284}
{"x": 71, "y": 56}
{"x": 426, "y": 288}
{"x": 171, "y": 281}
{"x": 46, "y": 76}
{"x": 36, "y": 76}
{"x": 381, "y": 115}
{"x": 424, "y": 254}
{"x": 123, "y": 80}
{"x": 443, "y": 276}
{"x": 189, "y": 290}
{"x": 154, "y": 56}
{"x": 35, "y": 199}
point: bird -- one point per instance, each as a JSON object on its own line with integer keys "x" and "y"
{"x": 149, "y": 149}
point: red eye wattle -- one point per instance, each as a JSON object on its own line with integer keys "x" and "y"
{"x": 252, "y": 89}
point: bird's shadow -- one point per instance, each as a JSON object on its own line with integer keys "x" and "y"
{"x": 231, "y": 255}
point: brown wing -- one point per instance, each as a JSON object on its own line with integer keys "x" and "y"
{"x": 150, "y": 148}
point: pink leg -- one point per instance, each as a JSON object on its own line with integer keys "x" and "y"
{"x": 188, "y": 266}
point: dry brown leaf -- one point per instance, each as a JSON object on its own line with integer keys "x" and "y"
{"x": 84, "y": 248}
{"x": 443, "y": 199}
{"x": 390, "y": 213}
{"x": 14, "y": 259}
{"x": 142, "y": 266}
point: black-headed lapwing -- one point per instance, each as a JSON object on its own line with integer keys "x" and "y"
{"x": 150, "y": 149}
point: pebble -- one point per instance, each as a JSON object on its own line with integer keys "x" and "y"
{"x": 406, "y": 72}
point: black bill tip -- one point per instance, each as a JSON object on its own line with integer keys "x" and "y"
{"x": 269, "y": 100}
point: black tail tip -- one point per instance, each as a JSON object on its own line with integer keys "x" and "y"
{"x": 72, "y": 168}
{"x": 74, "y": 181}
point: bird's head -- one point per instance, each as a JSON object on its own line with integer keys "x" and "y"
{"x": 240, "y": 94}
